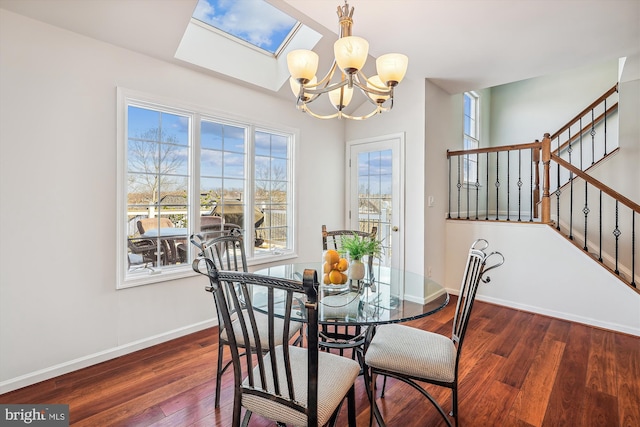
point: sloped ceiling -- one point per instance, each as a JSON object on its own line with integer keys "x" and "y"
{"x": 458, "y": 44}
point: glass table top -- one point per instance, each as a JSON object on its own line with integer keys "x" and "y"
{"x": 375, "y": 300}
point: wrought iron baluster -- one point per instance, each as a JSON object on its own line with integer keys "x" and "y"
{"x": 531, "y": 199}
{"x": 604, "y": 115}
{"x": 570, "y": 191}
{"x": 466, "y": 182}
{"x": 633, "y": 249}
{"x": 617, "y": 233}
{"x": 519, "y": 184}
{"x": 477, "y": 183}
{"x": 585, "y": 210}
{"x": 558, "y": 192}
{"x": 449, "y": 214}
{"x": 600, "y": 221}
{"x": 508, "y": 185}
{"x": 581, "y": 149}
{"x": 593, "y": 139}
{"x": 497, "y": 185}
{"x": 486, "y": 209}
{"x": 459, "y": 185}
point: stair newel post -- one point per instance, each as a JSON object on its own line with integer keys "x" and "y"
{"x": 546, "y": 185}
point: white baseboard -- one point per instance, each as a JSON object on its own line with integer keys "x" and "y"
{"x": 102, "y": 356}
{"x": 557, "y": 314}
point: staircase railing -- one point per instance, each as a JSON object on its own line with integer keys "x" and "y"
{"x": 514, "y": 183}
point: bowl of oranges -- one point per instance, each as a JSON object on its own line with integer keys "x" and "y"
{"x": 334, "y": 270}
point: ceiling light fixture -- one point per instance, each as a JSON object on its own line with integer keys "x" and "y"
{"x": 350, "y": 56}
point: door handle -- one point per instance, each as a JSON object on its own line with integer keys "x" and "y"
{"x": 394, "y": 228}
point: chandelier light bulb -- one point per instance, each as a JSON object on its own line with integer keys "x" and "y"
{"x": 376, "y": 83}
{"x": 334, "y": 97}
{"x": 351, "y": 53}
{"x": 295, "y": 87}
{"x": 302, "y": 64}
{"x": 392, "y": 67}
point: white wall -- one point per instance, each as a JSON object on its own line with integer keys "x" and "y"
{"x": 407, "y": 116}
{"x": 59, "y": 308}
{"x": 543, "y": 273}
{"x": 524, "y": 111}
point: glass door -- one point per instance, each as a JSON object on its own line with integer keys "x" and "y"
{"x": 374, "y": 193}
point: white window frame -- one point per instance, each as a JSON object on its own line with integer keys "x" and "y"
{"x": 474, "y": 139}
{"x": 126, "y": 97}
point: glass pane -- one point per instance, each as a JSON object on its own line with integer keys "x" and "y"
{"x": 175, "y": 129}
{"x": 280, "y": 146}
{"x": 263, "y": 144}
{"x": 157, "y": 188}
{"x": 233, "y": 139}
{"x": 142, "y": 121}
{"x": 211, "y": 135}
{"x": 210, "y": 163}
{"x": 254, "y": 21}
{"x": 233, "y": 165}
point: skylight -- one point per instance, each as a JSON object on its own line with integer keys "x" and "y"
{"x": 254, "y": 21}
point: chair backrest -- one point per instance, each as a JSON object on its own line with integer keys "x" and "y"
{"x": 225, "y": 251}
{"x": 475, "y": 271}
{"x": 145, "y": 224}
{"x": 247, "y": 296}
{"x": 333, "y": 239}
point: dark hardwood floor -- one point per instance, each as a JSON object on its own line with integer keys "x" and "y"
{"x": 517, "y": 369}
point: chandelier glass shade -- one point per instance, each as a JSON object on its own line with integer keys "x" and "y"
{"x": 350, "y": 56}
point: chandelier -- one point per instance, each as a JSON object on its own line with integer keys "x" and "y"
{"x": 350, "y": 55}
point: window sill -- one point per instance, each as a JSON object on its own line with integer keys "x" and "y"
{"x": 153, "y": 275}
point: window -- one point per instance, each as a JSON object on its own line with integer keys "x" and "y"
{"x": 183, "y": 171}
{"x": 471, "y": 136}
{"x": 254, "y": 22}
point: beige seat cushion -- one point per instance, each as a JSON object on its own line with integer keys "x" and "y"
{"x": 336, "y": 375}
{"x": 412, "y": 351}
{"x": 263, "y": 331}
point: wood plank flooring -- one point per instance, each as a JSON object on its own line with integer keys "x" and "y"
{"x": 517, "y": 369}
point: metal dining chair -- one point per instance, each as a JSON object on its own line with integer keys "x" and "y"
{"x": 341, "y": 337}
{"x": 412, "y": 355}
{"x": 227, "y": 252}
{"x": 288, "y": 384}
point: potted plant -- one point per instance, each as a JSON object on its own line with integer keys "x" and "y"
{"x": 357, "y": 247}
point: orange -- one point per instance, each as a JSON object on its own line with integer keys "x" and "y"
{"x": 325, "y": 279}
{"x": 335, "y": 277}
{"x": 342, "y": 265}
{"x": 326, "y": 268}
{"x": 344, "y": 278}
{"x": 332, "y": 256}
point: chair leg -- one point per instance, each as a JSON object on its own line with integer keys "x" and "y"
{"x": 219, "y": 371}
{"x": 351, "y": 406}
{"x": 384, "y": 385}
{"x": 454, "y": 403}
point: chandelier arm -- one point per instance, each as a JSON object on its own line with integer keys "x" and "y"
{"x": 307, "y": 110}
{"x": 327, "y": 89}
{"x": 366, "y": 116}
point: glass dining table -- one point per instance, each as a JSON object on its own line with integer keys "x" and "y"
{"x": 345, "y": 312}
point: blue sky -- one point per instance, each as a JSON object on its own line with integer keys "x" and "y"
{"x": 254, "y": 21}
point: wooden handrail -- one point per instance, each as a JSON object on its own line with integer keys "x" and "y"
{"x": 577, "y": 135}
{"x": 599, "y": 185}
{"x": 536, "y": 144}
{"x": 585, "y": 111}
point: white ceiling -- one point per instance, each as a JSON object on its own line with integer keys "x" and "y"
{"x": 458, "y": 44}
